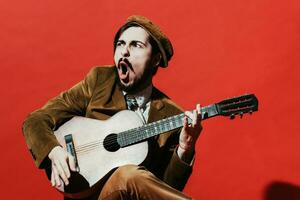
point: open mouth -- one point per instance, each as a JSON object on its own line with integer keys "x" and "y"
{"x": 123, "y": 70}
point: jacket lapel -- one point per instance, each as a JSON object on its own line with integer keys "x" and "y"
{"x": 107, "y": 100}
{"x": 156, "y": 107}
{"x": 118, "y": 99}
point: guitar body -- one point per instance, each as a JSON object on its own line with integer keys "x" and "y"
{"x": 94, "y": 161}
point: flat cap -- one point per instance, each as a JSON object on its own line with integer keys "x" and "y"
{"x": 163, "y": 42}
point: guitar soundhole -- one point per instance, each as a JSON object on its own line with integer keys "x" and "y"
{"x": 110, "y": 143}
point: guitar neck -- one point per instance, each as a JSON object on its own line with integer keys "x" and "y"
{"x": 146, "y": 131}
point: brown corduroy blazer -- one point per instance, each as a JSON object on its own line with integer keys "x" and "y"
{"x": 99, "y": 96}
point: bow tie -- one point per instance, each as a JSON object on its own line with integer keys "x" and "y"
{"x": 131, "y": 102}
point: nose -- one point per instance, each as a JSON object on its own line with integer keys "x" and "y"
{"x": 125, "y": 51}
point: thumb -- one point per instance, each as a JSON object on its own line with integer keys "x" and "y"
{"x": 71, "y": 162}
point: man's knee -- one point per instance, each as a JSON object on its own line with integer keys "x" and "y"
{"x": 130, "y": 174}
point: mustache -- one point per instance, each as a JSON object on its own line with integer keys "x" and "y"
{"x": 126, "y": 61}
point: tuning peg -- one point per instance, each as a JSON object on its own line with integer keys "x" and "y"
{"x": 232, "y": 116}
{"x": 204, "y": 115}
{"x": 241, "y": 115}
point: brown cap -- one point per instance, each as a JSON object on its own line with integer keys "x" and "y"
{"x": 163, "y": 43}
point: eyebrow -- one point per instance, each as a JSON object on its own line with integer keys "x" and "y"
{"x": 137, "y": 41}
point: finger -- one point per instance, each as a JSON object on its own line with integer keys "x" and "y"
{"x": 195, "y": 117}
{"x": 57, "y": 181}
{"x": 71, "y": 162}
{"x": 65, "y": 167}
{"x": 189, "y": 116}
{"x": 52, "y": 177}
{"x": 199, "y": 114}
{"x": 61, "y": 173}
{"x": 185, "y": 122}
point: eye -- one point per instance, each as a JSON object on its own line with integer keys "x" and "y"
{"x": 136, "y": 44}
{"x": 120, "y": 43}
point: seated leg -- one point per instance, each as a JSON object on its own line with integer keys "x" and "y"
{"x": 135, "y": 182}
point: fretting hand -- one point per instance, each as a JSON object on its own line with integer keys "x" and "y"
{"x": 189, "y": 134}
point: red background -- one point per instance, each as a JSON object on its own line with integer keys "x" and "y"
{"x": 222, "y": 49}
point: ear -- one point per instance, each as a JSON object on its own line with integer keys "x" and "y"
{"x": 156, "y": 60}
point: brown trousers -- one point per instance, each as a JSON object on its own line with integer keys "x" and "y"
{"x": 131, "y": 182}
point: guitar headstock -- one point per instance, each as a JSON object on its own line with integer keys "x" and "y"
{"x": 238, "y": 105}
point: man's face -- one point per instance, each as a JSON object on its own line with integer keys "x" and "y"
{"x": 133, "y": 59}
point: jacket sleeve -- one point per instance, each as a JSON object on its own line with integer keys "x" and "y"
{"x": 38, "y": 127}
{"x": 177, "y": 172}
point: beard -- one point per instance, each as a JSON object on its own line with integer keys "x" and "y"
{"x": 139, "y": 84}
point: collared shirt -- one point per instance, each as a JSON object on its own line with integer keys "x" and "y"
{"x": 143, "y": 99}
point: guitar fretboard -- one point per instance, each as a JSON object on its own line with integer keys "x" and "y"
{"x": 146, "y": 131}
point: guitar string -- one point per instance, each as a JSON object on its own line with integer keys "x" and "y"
{"x": 171, "y": 123}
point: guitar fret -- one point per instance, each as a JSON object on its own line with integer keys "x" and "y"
{"x": 171, "y": 124}
{"x": 156, "y": 127}
{"x": 147, "y": 133}
{"x": 163, "y": 125}
{"x": 174, "y": 125}
{"x": 150, "y": 130}
{"x": 167, "y": 125}
{"x": 122, "y": 138}
{"x": 176, "y": 121}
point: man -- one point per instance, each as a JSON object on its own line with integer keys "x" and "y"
{"x": 139, "y": 49}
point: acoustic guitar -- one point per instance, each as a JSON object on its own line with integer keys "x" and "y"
{"x": 99, "y": 146}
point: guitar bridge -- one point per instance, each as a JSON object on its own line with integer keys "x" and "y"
{"x": 71, "y": 149}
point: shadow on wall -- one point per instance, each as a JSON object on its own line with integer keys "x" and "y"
{"x": 278, "y": 190}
